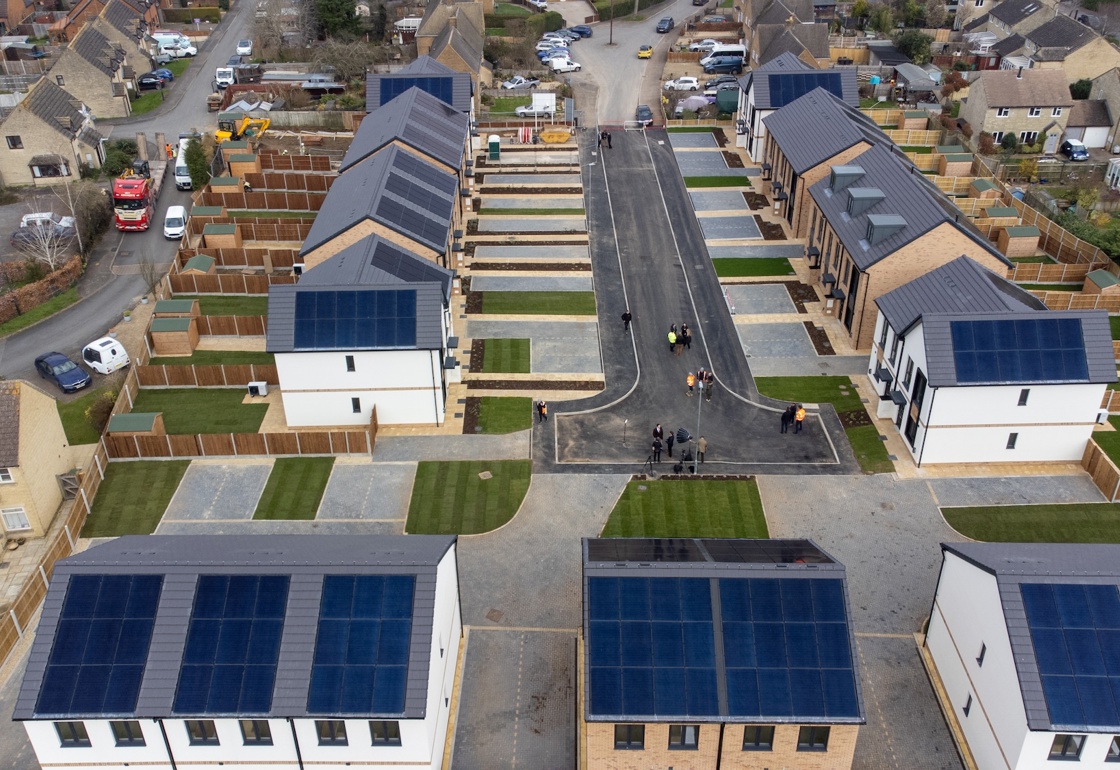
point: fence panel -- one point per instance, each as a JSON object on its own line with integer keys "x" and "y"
{"x": 184, "y": 446}
{"x": 236, "y": 283}
{"x": 231, "y": 325}
{"x": 1102, "y": 470}
{"x": 249, "y": 444}
{"x": 216, "y": 443}
{"x": 315, "y": 443}
{"x": 282, "y": 443}
{"x": 153, "y": 446}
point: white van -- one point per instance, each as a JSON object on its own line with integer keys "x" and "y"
{"x": 725, "y": 49}
{"x": 182, "y": 173}
{"x": 174, "y": 222}
{"x": 105, "y": 355}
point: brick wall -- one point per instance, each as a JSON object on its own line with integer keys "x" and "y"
{"x": 802, "y": 202}
{"x": 841, "y": 750}
{"x": 602, "y": 755}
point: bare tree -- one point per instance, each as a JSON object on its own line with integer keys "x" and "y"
{"x": 348, "y": 60}
{"x": 268, "y": 29}
{"x": 91, "y": 208}
{"x": 150, "y": 272}
{"x": 48, "y": 241}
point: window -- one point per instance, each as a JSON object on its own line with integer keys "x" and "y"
{"x": 1011, "y": 439}
{"x": 72, "y": 735}
{"x": 202, "y": 732}
{"x": 684, "y": 737}
{"x": 1067, "y": 747}
{"x": 894, "y": 348}
{"x": 1034, "y": 112}
{"x": 812, "y": 739}
{"x": 15, "y": 519}
{"x": 997, "y": 136}
{"x": 909, "y": 372}
{"x": 1056, "y": 112}
{"x": 128, "y": 733}
{"x": 256, "y": 732}
{"x": 758, "y": 738}
{"x": 982, "y": 655}
{"x": 6, "y": 476}
{"x": 630, "y": 737}
{"x": 60, "y": 80}
{"x": 1113, "y": 750}
{"x": 883, "y": 336}
{"x": 356, "y": 405}
{"x": 1024, "y": 394}
{"x": 14, "y": 142}
{"x": 1003, "y": 112}
{"x": 56, "y": 168}
{"x": 332, "y": 732}
{"x": 385, "y": 733}
{"x": 350, "y": 364}
{"x": 1028, "y": 137}
{"x": 979, "y": 3}
{"x": 967, "y": 706}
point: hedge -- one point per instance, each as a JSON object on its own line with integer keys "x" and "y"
{"x": 188, "y": 15}
{"x": 24, "y": 298}
{"x": 620, "y": 8}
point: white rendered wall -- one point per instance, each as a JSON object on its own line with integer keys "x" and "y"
{"x": 1036, "y": 750}
{"x": 231, "y": 748}
{"x": 103, "y": 751}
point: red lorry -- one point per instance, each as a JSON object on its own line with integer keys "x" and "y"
{"x": 135, "y": 193}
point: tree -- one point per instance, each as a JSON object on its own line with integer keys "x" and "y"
{"x": 197, "y": 164}
{"x": 1081, "y": 89}
{"x": 912, "y": 13}
{"x": 861, "y": 9}
{"x": 336, "y": 17}
{"x": 882, "y": 19}
{"x": 379, "y": 23}
{"x": 914, "y": 44}
{"x": 348, "y": 60}
{"x": 91, "y": 208}
{"x": 268, "y": 30}
{"x": 48, "y": 244}
{"x": 1009, "y": 142}
{"x": 935, "y": 14}
{"x": 150, "y": 272}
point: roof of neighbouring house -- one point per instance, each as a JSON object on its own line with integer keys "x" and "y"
{"x": 96, "y": 49}
{"x": 1029, "y": 88}
{"x": 416, "y": 118}
{"x": 374, "y": 261}
{"x": 916, "y": 78}
{"x": 463, "y": 37}
{"x": 1061, "y": 607}
{"x": 1061, "y": 35}
{"x": 1089, "y": 113}
{"x": 1011, "y": 12}
{"x": 9, "y": 424}
{"x": 56, "y": 107}
{"x": 132, "y": 422}
{"x": 170, "y": 599}
{"x": 776, "y": 646}
{"x": 125, "y": 19}
{"x": 427, "y": 74}
{"x": 816, "y": 127}
{"x": 887, "y": 54}
{"x": 170, "y": 325}
{"x": 1009, "y": 45}
{"x": 779, "y": 82}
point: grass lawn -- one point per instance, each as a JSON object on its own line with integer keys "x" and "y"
{"x": 688, "y": 509}
{"x": 449, "y": 498}
{"x": 294, "y": 488}
{"x": 505, "y": 105}
{"x": 147, "y": 102}
{"x": 689, "y": 130}
{"x": 920, "y": 149}
{"x": 1040, "y": 259}
{"x": 731, "y": 267}
{"x": 178, "y": 66}
{"x": 198, "y": 410}
{"x": 716, "y": 181}
{"x": 36, "y": 314}
{"x": 73, "y": 416}
{"x": 533, "y": 212}
{"x": 501, "y": 355}
{"x": 539, "y": 302}
{"x": 1114, "y": 322}
{"x": 1110, "y": 441}
{"x": 505, "y": 415}
{"x": 211, "y": 357}
{"x": 229, "y": 304}
{"x": 1051, "y": 286}
{"x": 509, "y": 9}
{"x": 249, "y": 213}
{"x": 1079, "y": 523}
{"x": 133, "y": 496}
{"x": 870, "y": 450}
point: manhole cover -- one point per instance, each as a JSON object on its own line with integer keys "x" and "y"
{"x": 882, "y": 437}
{"x": 642, "y": 487}
{"x": 487, "y": 475}
{"x": 495, "y": 616}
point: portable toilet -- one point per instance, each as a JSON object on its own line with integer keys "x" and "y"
{"x": 495, "y": 143}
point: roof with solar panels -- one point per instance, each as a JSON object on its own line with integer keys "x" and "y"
{"x": 718, "y": 630}
{"x": 231, "y": 626}
{"x": 1061, "y": 604}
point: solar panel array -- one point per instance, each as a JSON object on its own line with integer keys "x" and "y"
{"x": 437, "y": 132}
{"x": 785, "y": 87}
{"x": 1022, "y": 350}
{"x": 97, "y": 660}
{"x": 233, "y": 643}
{"x": 784, "y": 651}
{"x": 669, "y": 549}
{"x": 348, "y": 320}
{"x": 362, "y": 645}
{"x": 418, "y": 199}
{"x": 1075, "y": 630}
{"x": 438, "y": 86}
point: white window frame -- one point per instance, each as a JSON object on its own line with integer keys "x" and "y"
{"x": 17, "y": 511}
{"x": 1003, "y": 112}
{"x": 1056, "y": 112}
{"x": 6, "y": 476}
{"x": 997, "y": 136}
{"x": 1034, "y": 112}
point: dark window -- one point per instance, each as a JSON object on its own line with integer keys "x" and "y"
{"x": 1024, "y": 394}
{"x": 1067, "y": 747}
{"x": 14, "y": 142}
{"x": 684, "y": 736}
{"x": 60, "y": 80}
{"x": 883, "y": 336}
{"x": 917, "y": 397}
{"x": 812, "y": 739}
{"x": 1113, "y": 750}
{"x": 983, "y": 653}
{"x": 50, "y": 170}
{"x": 967, "y": 706}
{"x": 72, "y": 735}
{"x": 909, "y": 372}
{"x": 1011, "y": 439}
{"x": 758, "y": 738}
{"x": 385, "y": 733}
{"x": 630, "y": 737}
{"x": 350, "y": 364}
{"x": 356, "y": 405}
{"x": 128, "y": 733}
{"x": 894, "y": 348}
{"x": 202, "y": 732}
{"x": 256, "y": 732}
{"x": 332, "y": 732}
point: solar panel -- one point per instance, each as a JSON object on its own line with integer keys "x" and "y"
{"x": 1019, "y": 350}
{"x": 786, "y": 87}
{"x": 233, "y": 644}
{"x": 360, "y": 664}
{"x": 347, "y": 320}
{"x": 438, "y": 86}
{"x": 97, "y": 660}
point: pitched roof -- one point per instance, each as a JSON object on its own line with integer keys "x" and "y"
{"x": 886, "y": 53}
{"x": 9, "y": 424}
{"x": 960, "y": 286}
{"x": 1011, "y": 12}
{"x": 1009, "y": 45}
{"x": 1089, "y": 113}
{"x": 976, "y": 23}
{"x": 374, "y": 261}
{"x": 811, "y": 39}
{"x": 1062, "y": 33}
{"x": 96, "y": 49}
{"x": 463, "y": 36}
{"x": 418, "y": 119}
{"x": 776, "y": 89}
{"x": 58, "y": 109}
{"x": 125, "y": 18}
{"x": 786, "y": 62}
{"x": 817, "y": 126}
{"x": 425, "y": 73}
{"x": 1029, "y": 88}
{"x": 279, "y": 582}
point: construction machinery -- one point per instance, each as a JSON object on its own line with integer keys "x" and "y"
{"x": 234, "y": 126}
{"x": 135, "y": 193}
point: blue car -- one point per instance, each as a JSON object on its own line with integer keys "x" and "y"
{"x": 553, "y": 53}
{"x": 583, "y": 30}
{"x": 66, "y": 374}
{"x": 164, "y": 74}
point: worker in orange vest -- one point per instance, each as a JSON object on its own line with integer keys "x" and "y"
{"x": 798, "y": 418}
{"x": 691, "y": 382}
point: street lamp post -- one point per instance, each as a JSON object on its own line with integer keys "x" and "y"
{"x": 611, "y": 41}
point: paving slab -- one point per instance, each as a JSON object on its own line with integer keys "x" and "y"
{"x": 537, "y": 158}
{"x": 721, "y": 200}
{"x": 508, "y": 446}
{"x": 775, "y": 340}
{"x": 368, "y": 491}
{"x": 252, "y": 527}
{"x": 556, "y": 347}
{"x": 576, "y": 282}
{"x": 483, "y": 253}
{"x": 841, "y": 366}
{"x": 218, "y": 491}
{"x": 760, "y": 299}
{"x": 709, "y": 164}
{"x": 761, "y": 250}
{"x": 728, "y": 228}
{"x": 693, "y": 139}
{"x": 499, "y": 224}
{"x": 531, "y": 179}
{"x": 531, "y": 202}
{"x": 1017, "y": 490}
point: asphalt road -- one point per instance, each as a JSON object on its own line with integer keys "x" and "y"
{"x": 112, "y": 281}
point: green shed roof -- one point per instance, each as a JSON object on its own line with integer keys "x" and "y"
{"x": 217, "y": 228}
{"x": 206, "y": 211}
{"x": 170, "y": 324}
{"x": 1103, "y": 278}
{"x": 201, "y": 263}
{"x": 133, "y": 422}
{"x": 224, "y": 181}
{"x": 242, "y": 157}
{"x": 916, "y": 114}
{"x": 1023, "y": 231}
{"x": 948, "y": 149}
{"x": 174, "y": 306}
{"x": 958, "y": 157}
{"x": 1002, "y": 211}
{"x": 982, "y": 185}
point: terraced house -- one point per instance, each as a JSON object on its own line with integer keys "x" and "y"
{"x": 98, "y": 70}
{"x": 427, "y": 74}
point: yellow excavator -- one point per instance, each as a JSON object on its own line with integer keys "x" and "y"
{"x": 235, "y": 126}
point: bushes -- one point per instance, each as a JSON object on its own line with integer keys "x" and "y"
{"x": 986, "y": 145}
{"x": 187, "y": 15}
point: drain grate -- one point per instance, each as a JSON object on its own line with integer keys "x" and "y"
{"x": 495, "y": 616}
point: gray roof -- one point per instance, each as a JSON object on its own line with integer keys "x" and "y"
{"x": 907, "y": 194}
{"x": 96, "y": 49}
{"x": 425, "y": 72}
{"x": 960, "y": 286}
{"x": 887, "y": 54}
{"x": 396, "y": 189}
{"x": 417, "y": 119}
{"x": 374, "y": 261}
{"x": 786, "y": 78}
{"x": 976, "y": 23}
{"x": 815, "y": 127}
{"x": 917, "y": 79}
{"x": 1009, "y": 45}
{"x": 9, "y": 424}
{"x": 58, "y": 109}
{"x": 125, "y": 18}
{"x": 181, "y": 559}
{"x": 1089, "y": 112}
{"x": 1061, "y": 32}
{"x": 1014, "y": 564}
{"x": 1011, "y": 12}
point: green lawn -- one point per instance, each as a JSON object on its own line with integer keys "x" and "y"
{"x": 1038, "y": 259}
{"x": 294, "y": 488}
{"x": 1077, "y": 523}
{"x": 250, "y": 213}
{"x": 498, "y": 414}
{"x": 1051, "y": 286}
{"x": 1109, "y": 441}
{"x": 502, "y": 355}
{"x": 688, "y": 509}
{"x": 133, "y": 496}
{"x": 212, "y": 357}
{"x": 509, "y": 9}
{"x": 505, "y": 105}
{"x": 229, "y": 304}
{"x": 178, "y": 66}
{"x": 870, "y": 450}
{"x": 919, "y": 149}
{"x": 147, "y": 102}
{"x": 199, "y": 410}
{"x": 450, "y": 498}
{"x": 532, "y": 212}
{"x": 539, "y": 302}
{"x": 717, "y": 181}
{"x": 74, "y": 420}
{"x": 732, "y": 267}
{"x": 36, "y": 314}
{"x": 1114, "y": 322}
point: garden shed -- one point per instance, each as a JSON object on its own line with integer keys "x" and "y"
{"x": 221, "y": 236}
{"x": 1019, "y": 241}
{"x": 136, "y": 424}
{"x": 176, "y": 308}
{"x": 1101, "y": 282}
{"x": 201, "y": 265}
{"x": 174, "y": 336}
{"x": 982, "y": 188}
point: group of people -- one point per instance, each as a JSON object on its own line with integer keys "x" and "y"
{"x": 661, "y": 441}
{"x": 679, "y": 340}
{"x": 793, "y": 415}
{"x": 605, "y": 138}
{"x": 703, "y": 379}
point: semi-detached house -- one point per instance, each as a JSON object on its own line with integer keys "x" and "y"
{"x": 98, "y": 70}
{"x": 47, "y": 137}
{"x": 1031, "y": 105}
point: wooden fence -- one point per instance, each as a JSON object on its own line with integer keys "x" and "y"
{"x": 270, "y": 181}
{"x": 1059, "y": 242}
{"x": 883, "y": 117}
{"x": 1072, "y": 300}
{"x": 240, "y": 444}
{"x": 1102, "y": 470}
{"x": 209, "y": 376}
{"x": 232, "y": 325}
{"x": 246, "y": 257}
{"x": 910, "y": 137}
{"x": 1111, "y": 400}
{"x": 270, "y": 200}
{"x": 225, "y": 283}
{"x": 1032, "y": 272}
{"x": 274, "y": 161}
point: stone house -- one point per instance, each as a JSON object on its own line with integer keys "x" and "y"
{"x": 427, "y": 74}
{"x": 1018, "y": 17}
{"x": 47, "y": 137}
{"x": 454, "y": 34}
{"x": 775, "y": 27}
{"x": 1106, "y": 87}
{"x": 98, "y": 70}
{"x": 86, "y": 10}
{"x": 1033, "y": 105}
{"x": 123, "y": 27}
{"x": 1063, "y": 45}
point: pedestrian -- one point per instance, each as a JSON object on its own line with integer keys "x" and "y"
{"x": 544, "y": 411}
{"x": 601, "y": 135}
{"x": 248, "y": 187}
{"x": 700, "y": 376}
{"x": 540, "y": 411}
{"x": 658, "y": 432}
{"x": 679, "y": 348}
{"x": 798, "y": 418}
{"x": 626, "y": 318}
{"x": 609, "y": 145}
{"x": 701, "y": 448}
{"x": 684, "y": 329}
{"x": 669, "y": 443}
{"x": 709, "y": 385}
{"x": 656, "y": 450}
{"x": 688, "y": 340}
{"x": 167, "y": 148}
{"x": 786, "y": 416}
{"x": 691, "y": 380}
{"x": 672, "y": 340}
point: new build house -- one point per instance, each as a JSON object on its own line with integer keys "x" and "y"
{"x": 424, "y": 72}
{"x": 252, "y": 651}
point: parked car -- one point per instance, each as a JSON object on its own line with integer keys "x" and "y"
{"x": 244, "y": 47}
{"x": 234, "y": 61}
{"x": 568, "y": 35}
{"x": 721, "y": 79}
{"x": 164, "y": 74}
{"x": 529, "y": 111}
{"x": 645, "y": 52}
{"x": 1074, "y": 149}
{"x": 540, "y": 5}
{"x": 105, "y": 355}
{"x": 583, "y": 30}
{"x": 703, "y": 45}
{"x": 517, "y": 81}
{"x": 557, "y": 53}
{"x": 687, "y": 83}
{"x": 713, "y": 90}
{"x": 63, "y": 372}
{"x": 546, "y": 43}
{"x": 644, "y": 115}
{"x": 544, "y": 53}
{"x": 149, "y": 82}
{"x": 724, "y": 64}
{"x": 666, "y": 24}
{"x": 43, "y": 218}
{"x": 39, "y": 236}
{"x": 565, "y": 65}
{"x": 162, "y": 58}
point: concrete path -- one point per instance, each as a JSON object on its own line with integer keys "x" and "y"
{"x": 513, "y": 224}
{"x": 1019, "y": 490}
{"x": 537, "y": 282}
{"x": 719, "y": 200}
{"x": 498, "y": 180}
{"x": 483, "y": 252}
{"x": 728, "y": 228}
{"x": 758, "y": 250}
{"x": 509, "y": 446}
{"x": 556, "y": 347}
{"x": 527, "y": 202}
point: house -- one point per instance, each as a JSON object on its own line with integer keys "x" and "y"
{"x": 774, "y": 27}
{"x": 365, "y": 330}
{"x": 1018, "y": 17}
{"x": 1106, "y": 87}
{"x": 709, "y": 654}
{"x": 777, "y": 83}
{"x": 972, "y": 369}
{"x": 33, "y": 453}
{"x": 47, "y": 137}
{"x": 95, "y": 68}
{"x": 427, "y": 74}
{"x": 276, "y": 651}
{"x": 125, "y": 28}
{"x": 1067, "y": 46}
{"x": 878, "y": 224}
{"x": 1089, "y": 121}
{"x": 1022, "y": 636}
{"x": 68, "y": 27}
{"x": 454, "y": 34}
{"x": 1032, "y": 105}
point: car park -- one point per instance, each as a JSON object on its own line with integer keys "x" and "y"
{"x": 532, "y": 111}
{"x": 569, "y": 35}
{"x": 703, "y": 45}
{"x": 149, "y": 82}
{"x": 665, "y": 24}
{"x": 644, "y": 115}
{"x": 245, "y": 48}
{"x": 687, "y": 83}
{"x": 546, "y": 43}
{"x": 1074, "y": 149}
{"x": 517, "y": 81}
{"x": 565, "y": 65}
{"x": 645, "y": 52}
{"x": 63, "y": 372}
{"x": 583, "y": 30}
